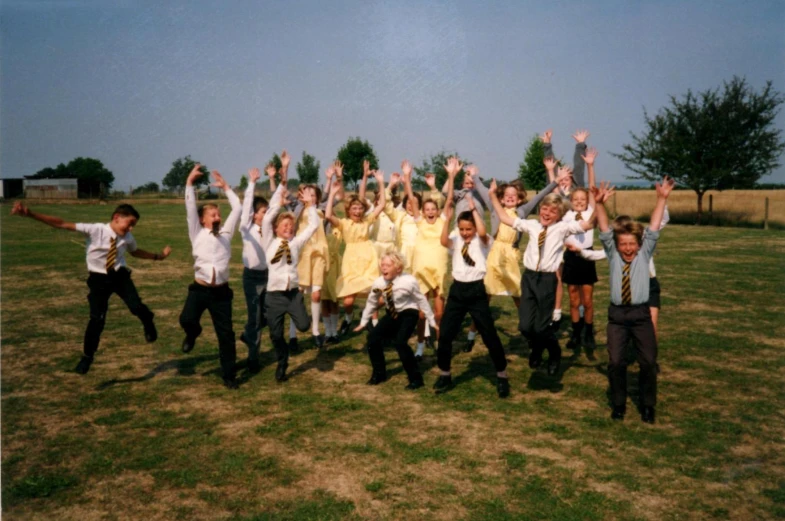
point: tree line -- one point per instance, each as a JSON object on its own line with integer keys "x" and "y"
{"x": 718, "y": 139}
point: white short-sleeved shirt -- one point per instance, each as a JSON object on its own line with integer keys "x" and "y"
{"x": 582, "y": 240}
{"x": 553, "y": 249}
{"x": 99, "y": 239}
{"x": 478, "y": 251}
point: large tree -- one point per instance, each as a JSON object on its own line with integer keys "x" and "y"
{"x": 532, "y": 171}
{"x": 352, "y": 154}
{"x": 93, "y": 178}
{"x": 175, "y": 179}
{"x": 714, "y": 140}
{"x": 435, "y": 165}
{"x": 308, "y": 169}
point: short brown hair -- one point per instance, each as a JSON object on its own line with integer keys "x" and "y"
{"x": 203, "y": 207}
{"x": 518, "y": 185}
{"x": 355, "y": 199}
{"x": 624, "y": 225}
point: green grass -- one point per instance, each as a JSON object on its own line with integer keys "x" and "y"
{"x": 150, "y": 433}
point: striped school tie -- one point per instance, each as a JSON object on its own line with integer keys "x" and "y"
{"x": 465, "y": 254}
{"x": 261, "y": 235}
{"x": 626, "y": 290}
{"x": 111, "y": 257}
{"x": 579, "y": 216}
{"x": 388, "y": 298}
{"x": 540, "y": 244}
{"x": 283, "y": 249}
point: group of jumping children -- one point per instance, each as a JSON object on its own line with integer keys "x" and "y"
{"x": 396, "y": 253}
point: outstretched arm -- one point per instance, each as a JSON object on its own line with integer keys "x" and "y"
{"x": 452, "y": 167}
{"x": 247, "y": 209}
{"x": 231, "y": 222}
{"x": 329, "y": 211}
{"x": 406, "y": 168}
{"x": 663, "y": 191}
{"x": 479, "y": 222}
{"x": 191, "y": 212}
{"x": 364, "y": 180}
{"x": 447, "y": 212}
{"x": 144, "y": 254}
{"x": 578, "y": 157}
{"x": 433, "y": 192}
{"x": 601, "y": 195}
{"x": 55, "y": 222}
{"x": 588, "y": 158}
{"x": 379, "y": 175}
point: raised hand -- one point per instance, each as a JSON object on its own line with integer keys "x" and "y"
{"x": 580, "y": 135}
{"x": 664, "y": 189}
{"x": 546, "y": 136}
{"x": 472, "y": 170}
{"x": 448, "y": 211}
{"x": 430, "y": 180}
{"x": 406, "y": 168}
{"x": 270, "y": 170}
{"x": 219, "y": 182}
{"x": 492, "y": 188}
{"x": 194, "y": 174}
{"x": 563, "y": 173}
{"x": 395, "y": 178}
{"x": 335, "y": 187}
{"x": 329, "y": 173}
{"x": 253, "y": 175}
{"x": 379, "y": 176}
{"x": 366, "y": 168}
{"x": 550, "y": 163}
{"x": 603, "y": 193}
{"x": 591, "y": 154}
{"x": 285, "y": 159}
{"x": 338, "y": 169}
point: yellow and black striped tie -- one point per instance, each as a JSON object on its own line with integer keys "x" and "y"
{"x": 465, "y": 254}
{"x": 540, "y": 244}
{"x": 626, "y": 290}
{"x": 283, "y": 249}
{"x": 261, "y": 235}
{"x": 388, "y": 298}
{"x": 111, "y": 257}
{"x": 579, "y": 216}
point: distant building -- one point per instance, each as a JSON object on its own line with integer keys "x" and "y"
{"x": 10, "y": 188}
{"x": 50, "y": 188}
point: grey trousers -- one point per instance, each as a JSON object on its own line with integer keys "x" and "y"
{"x": 255, "y": 288}
{"x": 278, "y": 304}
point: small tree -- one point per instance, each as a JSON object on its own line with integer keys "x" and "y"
{"x": 243, "y": 183}
{"x": 710, "y": 141}
{"x": 149, "y": 188}
{"x": 352, "y": 154}
{"x": 532, "y": 171}
{"x": 308, "y": 169}
{"x": 435, "y": 165}
{"x": 175, "y": 179}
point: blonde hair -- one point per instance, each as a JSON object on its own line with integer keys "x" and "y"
{"x": 579, "y": 189}
{"x": 557, "y": 201}
{"x": 282, "y": 217}
{"x": 395, "y": 257}
{"x": 355, "y": 199}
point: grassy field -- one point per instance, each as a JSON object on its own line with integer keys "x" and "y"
{"x": 152, "y": 434}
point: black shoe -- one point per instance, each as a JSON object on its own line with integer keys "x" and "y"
{"x": 429, "y": 342}
{"x": 84, "y": 365}
{"x": 443, "y": 384}
{"x": 618, "y": 412}
{"x": 647, "y": 415}
{"x": 254, "y": 366}
{"x": 280, "y": 372}
{"x": 150, "y": 333}
{"x": 468, "y": 346}
{"x": 377, "y": 378}
{"x": 553, "y": 367}
{"x": 556, "y": 325}
{"x": 331, "y": 340}
{"x": 574, "y": 342}
{"x": 188, "y": 344}
{"x": 318, "y": 341}
{"x": 345, "y": 327}
{"x": 502, "y": 387}
{"x": 230, "y": 382}
{"x": 588, "y": 340}
{"x": 293, "y": 345}
{"x": 414, "y": 385}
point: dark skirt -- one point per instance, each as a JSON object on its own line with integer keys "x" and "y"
{"x": 578, "y": 271}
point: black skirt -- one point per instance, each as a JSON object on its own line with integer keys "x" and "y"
{"x": 578, "y": 271}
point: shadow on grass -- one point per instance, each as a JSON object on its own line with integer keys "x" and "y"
{"x": 183, "y": 366}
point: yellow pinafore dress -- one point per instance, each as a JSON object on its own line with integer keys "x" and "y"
{"x": 314, "y": 258}
{"x": 430, "y": 257}
{"x": 503, "y": 275}
{"x": 360, "y": 265}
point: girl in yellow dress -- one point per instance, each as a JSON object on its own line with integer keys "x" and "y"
{"x": 360, "y": 265}
{"x": 430, "y": 263}
{"x": 330, "y": 309}
{"x": 383, "y": 230}
{"x": 404, "y": 219}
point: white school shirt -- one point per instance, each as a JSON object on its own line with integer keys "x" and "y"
{"x": 406, "y": 295}
{"x": 211, "y": 254}
{"x": 478, "y": 251}
{"x": 99, "y": 239}
{"x": 553, "y": 249}
{"x": 282, "y": 276}
{"x": 253, "y": 252}
{"x": 582, "y": 240}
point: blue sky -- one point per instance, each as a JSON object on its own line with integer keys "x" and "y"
{"x": 140, "y": 84}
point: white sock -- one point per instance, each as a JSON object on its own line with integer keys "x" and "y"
{"x": 316, "y": 314}
{"x": 375, "y": 322}
{"x": 556, "y": 315}
{"x": 349, "y": 317}
{"x": 472, "y": 334}
{"x": 420, "y": 349}
{"x": 327, "y": 329}
{"x": 427, "y": 329}
{"x": 292, "y": 329}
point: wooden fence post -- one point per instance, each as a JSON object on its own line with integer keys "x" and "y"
{"x": 766, "y": 215}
